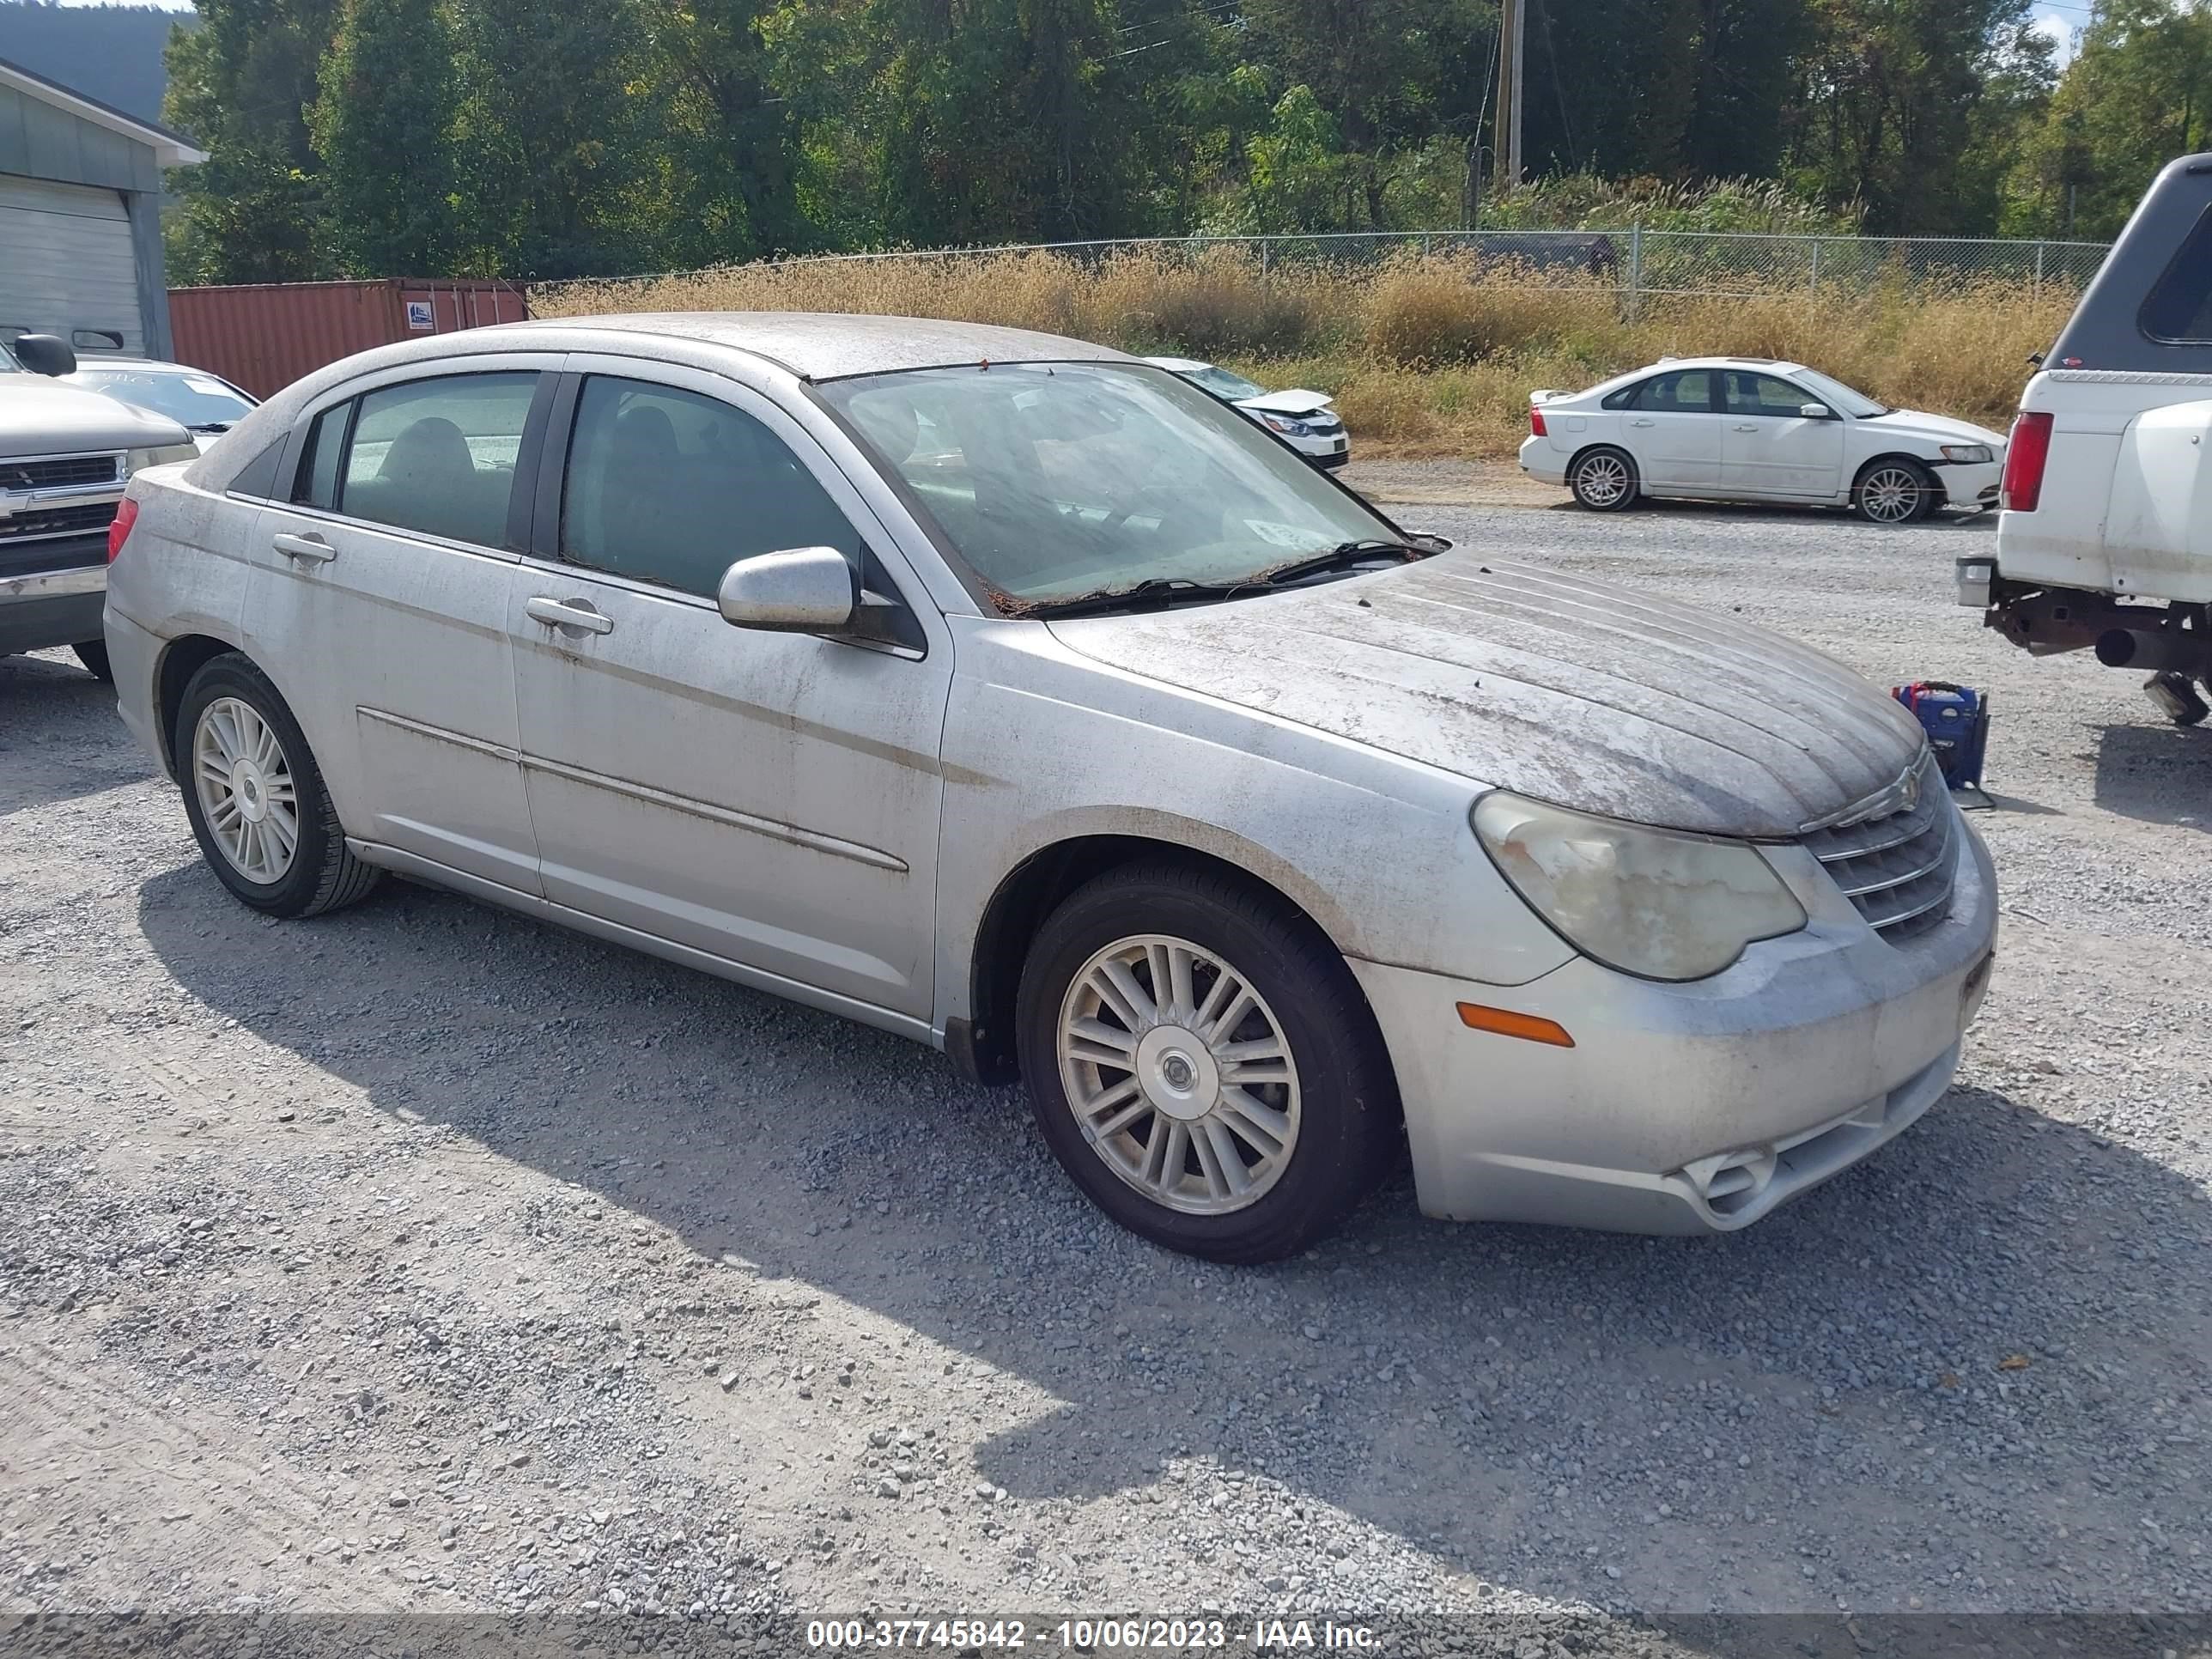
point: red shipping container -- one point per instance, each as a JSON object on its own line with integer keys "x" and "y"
{"x": 263, "y": 335}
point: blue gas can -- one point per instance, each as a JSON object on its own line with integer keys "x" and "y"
{"x": 1957, "y": 720}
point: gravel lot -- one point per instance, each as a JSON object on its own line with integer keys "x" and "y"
{"x": 426, "y": 1258}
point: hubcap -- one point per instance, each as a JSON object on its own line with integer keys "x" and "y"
{"x": 246, "y": 789}
{"x": 1890, "y": 495}
{"x": 1179, "y": 1075}
{"x": 1604, "y": 479}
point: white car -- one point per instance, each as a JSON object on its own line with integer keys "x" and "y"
{"x": 206, "y": 405}
{"x": 1306, "y": 420}
{"x": 1751, "y": 429}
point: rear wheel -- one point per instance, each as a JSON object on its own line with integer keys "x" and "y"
{"x": 1603, "y": 480}
{"x": 92, "y": 654}
{"x": 255, "y": 796}
{"x": 1201, "y": 1063}
{"x": 1894, "y": 491}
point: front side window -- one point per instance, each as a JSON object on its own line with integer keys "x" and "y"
{"x": 438, "y": 456}
{"x": 1746, "y": 394}
{"x": 1055, "y": 481}
{"x": 2179, "y": 311}
{"x": 670, "y": 487}
{"x": 1684, "y": 391}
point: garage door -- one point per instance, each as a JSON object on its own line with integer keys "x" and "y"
{"x": 65, "y": 261}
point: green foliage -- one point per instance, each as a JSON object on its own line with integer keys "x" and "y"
{"x": 383, "y": 128}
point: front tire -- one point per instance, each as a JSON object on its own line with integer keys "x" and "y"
{"x": 1894, "y": 491}
{"x": 1201, "y": 1062}
{"x": 256, "y": 798}
{"x": 1604, "y": 479}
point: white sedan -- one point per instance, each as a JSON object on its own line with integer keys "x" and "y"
{"x": 1306, "y": 420}
{"x": 1748, "y": 428}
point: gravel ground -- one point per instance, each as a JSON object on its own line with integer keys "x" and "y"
{"x": 424, "y": 1258}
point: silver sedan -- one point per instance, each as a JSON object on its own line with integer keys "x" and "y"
{"x": 1007, "y": 693}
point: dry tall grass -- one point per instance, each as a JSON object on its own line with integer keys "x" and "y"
{"x": 1426, "y": 355}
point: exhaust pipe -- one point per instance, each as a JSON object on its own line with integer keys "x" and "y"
{"x": 2160, "y": 652}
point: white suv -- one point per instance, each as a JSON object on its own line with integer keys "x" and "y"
{"x": 2105, "y": 537}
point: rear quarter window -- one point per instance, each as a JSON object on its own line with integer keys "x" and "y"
{"x": 2179, "y": 309}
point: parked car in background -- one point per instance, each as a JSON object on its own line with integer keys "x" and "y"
{"x": 2104, "y": 541}
{"x": 206, "y": 405}
{"x": 1306, "y": 420}
{"x": 1751, "y": 429}
{"x": 1081, "y": 730}
{"x": 65, "y": 454}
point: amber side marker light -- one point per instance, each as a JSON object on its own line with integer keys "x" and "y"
{"x": 1506, "y": 1023}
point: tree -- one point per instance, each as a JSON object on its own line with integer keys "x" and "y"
{"x": 383, "y": 128}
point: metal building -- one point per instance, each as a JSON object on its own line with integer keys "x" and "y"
{"x": 81, "y": 217}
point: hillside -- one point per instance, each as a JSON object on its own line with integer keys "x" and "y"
{"x": 112, "y": 53}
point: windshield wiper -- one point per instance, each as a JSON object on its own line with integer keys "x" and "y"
{"x": 1345, "y": 555}
{"x": 1164, "y": 591}
{"x": 211, "y": 426}
{"x": 1161, "y": 591}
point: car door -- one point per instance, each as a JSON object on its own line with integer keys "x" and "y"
{"x": 769, "y": 798}
{"x": 1674, "y": 430}
{"x": 1770, "y": 446}
{"x": 379, "y": 604}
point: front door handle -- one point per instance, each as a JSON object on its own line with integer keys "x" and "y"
{"x": 1748, "y": 428}
{"x": 568, "y": 613}
{"x": 304, "y": 550}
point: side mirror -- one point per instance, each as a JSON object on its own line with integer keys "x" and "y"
{"x": 800, "y": 590}
{"x": 1813, "y": 411}
{"x": 45, "y": 354}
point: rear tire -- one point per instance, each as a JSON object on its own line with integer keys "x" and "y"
{"x": 1892, "y": 490}
{"x": 1604, "y": 479}
{"x": 92, "y": 654}
{"x": 1203, "y": 1064}
{"x": 256, "y": 798}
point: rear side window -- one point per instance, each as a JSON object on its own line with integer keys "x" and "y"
{"x": 2179, "y": 311}
{"x": 316, "y": 483}
{"x": 669, "y": 487}
{"x": 438, "y": 456}
{"x": 258, "y": 478}
{"x": 1684, "y": 391}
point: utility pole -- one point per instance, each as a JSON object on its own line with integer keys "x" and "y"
{"x": 1512, "y": 36}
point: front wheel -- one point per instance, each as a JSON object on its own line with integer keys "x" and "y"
{"x": 258, "y": 809}
{"x": 1603, "y": 480}
{"x": 1203, "y": 1064}
{"x": 1895, "y": 492}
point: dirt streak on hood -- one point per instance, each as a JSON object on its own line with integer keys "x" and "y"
{"x": 1555, "y": 686}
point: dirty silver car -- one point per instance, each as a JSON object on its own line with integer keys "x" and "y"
{"x": 1009, "y": 694}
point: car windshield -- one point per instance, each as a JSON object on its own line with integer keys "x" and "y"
{"x": 1836, "y": 395}
{"x": 199, "y": 402}
{"x": 1061, "y": 481}
{"x": 1222, "y": 384}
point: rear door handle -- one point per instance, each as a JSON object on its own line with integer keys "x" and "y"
{"x": 304, "y": 550}
{"x": 1748, "y": 428}
{"x": 568, "y": 613}
{"x": 1643, "y": 423}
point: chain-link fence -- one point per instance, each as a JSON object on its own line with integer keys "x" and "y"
{"x": 1635, "y": 261}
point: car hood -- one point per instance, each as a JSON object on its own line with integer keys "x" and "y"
{"x": 1287, "y": 403}
{"x": 1566, "y": 690}
{"x": 1919, "y": 423}
{"x": 39, "y": 417}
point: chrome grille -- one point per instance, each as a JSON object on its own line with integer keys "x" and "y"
{"x": 1897, "y": 867}
{"x": 51, "y": 472}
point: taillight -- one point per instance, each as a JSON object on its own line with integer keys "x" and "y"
{"x": 119, "y": 528}
{"x": 1536, "y": 422}
{"x": 2026, "y": 451}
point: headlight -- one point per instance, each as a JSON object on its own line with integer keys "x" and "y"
{"x": 1660, "y": 903}
{"x": 1284, "y": 424}
{"x": 137, "y": 460}
{"x": 1968, "y": 454}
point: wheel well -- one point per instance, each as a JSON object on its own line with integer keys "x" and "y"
{"x": 180, "y": 661}
{"x": 1574, "y": 459}
{"x": 1912, "y": 461}
{"x": 985, "y": 1048}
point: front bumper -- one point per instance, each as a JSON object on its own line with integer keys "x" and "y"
{"x": 1685, "y": 1109}
{"x": 50, "y": 607}
{"x": 1974, "y": 486}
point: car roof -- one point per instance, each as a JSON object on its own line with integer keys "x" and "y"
{"x": 138, "y": 365}
{"x": 822, "y": 345}
{"x": 1179, "y": 365}
{"x": 1778, "y": 365}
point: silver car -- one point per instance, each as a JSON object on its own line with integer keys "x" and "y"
{"x": 1005, "y": 692}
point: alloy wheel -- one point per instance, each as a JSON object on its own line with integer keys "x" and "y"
{"x": 1601, "y": 480}
{"x": 1890, "y": 495}
{"x": 246, "y": 788}
{"x": 1179, "y": 1075}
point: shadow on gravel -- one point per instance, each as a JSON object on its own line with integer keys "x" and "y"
{"x": 1905, "y": 1382}
{"x": 2158, "y": 774}
{"x": 51, "y": 704}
